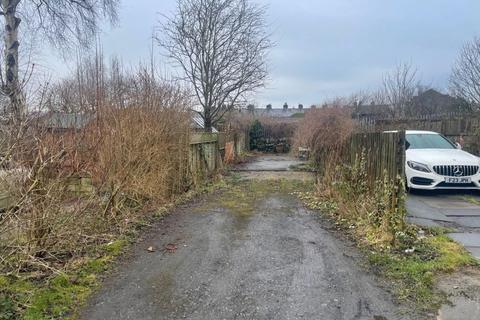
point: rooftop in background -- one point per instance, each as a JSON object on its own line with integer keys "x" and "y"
{"x": 429, "y": 103}
{"x": 61, "y": 121}
{"x": 277, "y": 112}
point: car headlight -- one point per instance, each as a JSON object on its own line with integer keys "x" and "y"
{"x": 418, "y": 166}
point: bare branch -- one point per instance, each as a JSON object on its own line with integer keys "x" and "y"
{"x": 465, "y": 78}
{"x": 221, "y": 47}
{"x": 62, "y": 23}
{"x": 399, "y": 87}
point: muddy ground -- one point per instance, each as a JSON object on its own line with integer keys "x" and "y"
{"x": 251, "y": 251}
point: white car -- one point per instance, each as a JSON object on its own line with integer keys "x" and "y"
{"x": 434, "y": 162}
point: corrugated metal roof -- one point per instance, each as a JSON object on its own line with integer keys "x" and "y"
{"x": 199, "y": 123}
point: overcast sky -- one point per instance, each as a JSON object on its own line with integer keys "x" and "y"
{"x": 327, "y": 48}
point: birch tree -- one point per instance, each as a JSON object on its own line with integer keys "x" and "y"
{"x": 62, "y": 23}
{"x": 220, "y": 46}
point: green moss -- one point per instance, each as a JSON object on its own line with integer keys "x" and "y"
{"x": 305, "y": 167}
{"x": 55, "y": 300}
{"x": 440, "y": 231}
{"x": 57, "y": 297}
{"x": 97, "y": 265}
{"x": 7, "y": 308}
{"x": 115, "y": 248}
{"x": 472, "y": 200}
{"x": 60, "y": 296}
{"x": 414, "y": 275}
{"x": 241, "y": 196}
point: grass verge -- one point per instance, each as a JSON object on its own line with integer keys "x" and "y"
{"x": 32, "y": 297}
{"x": 413, "y": 264}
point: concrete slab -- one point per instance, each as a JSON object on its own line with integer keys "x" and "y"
{"x": 423, "y": 222}
{"x": 270, "y": 163}
{"x": 430, "y": 210}
{"x": 416, "y": 208}
{"x": 446, "y": 202}
{"x": 461, "y": 212}
{"x": 467, "y": 239}
{"x": 474, "y": 251}
{"x": 467, "y": 222}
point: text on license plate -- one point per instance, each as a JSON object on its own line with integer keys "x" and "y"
{"x": 458, "y": 180}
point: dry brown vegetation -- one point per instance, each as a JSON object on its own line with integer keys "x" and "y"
{"x": 74, "y": 187}
{"x": 343, "y": 189}
{"x": 279, "y": 128}
{"x": 324, "y": 128}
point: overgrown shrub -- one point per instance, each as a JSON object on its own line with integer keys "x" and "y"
{"x": 323, "y": 129}
{"x": 377, "y": 214}
{"x": 77, "y": 187}
{"x": 376, "y": 211}
{"x": 271, "y": 134}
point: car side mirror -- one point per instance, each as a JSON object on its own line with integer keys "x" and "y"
{"x": 458, "y": 146}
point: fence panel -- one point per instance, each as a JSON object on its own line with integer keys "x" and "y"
{"x": 452, "y": 128}
{"x": 204, "y": 156}
{"x": 384, "y": 154}
{"x": 208, "y": 149}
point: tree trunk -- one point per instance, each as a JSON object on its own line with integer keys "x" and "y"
{"x": 12, "y": 87}
{"x": 207, "y": 120}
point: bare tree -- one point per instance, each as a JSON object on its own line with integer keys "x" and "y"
{"x": 221, "y": 47}
{"x": 61, "y": 22}
{"x": 358, "y": 98}
{"x": 465, "y": 78}
{"x": 399, "y": 87}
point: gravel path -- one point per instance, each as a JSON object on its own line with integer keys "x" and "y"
{"x": 279, "y": 262}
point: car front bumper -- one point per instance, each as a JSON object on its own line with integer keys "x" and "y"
{"x": 432, "y": 181}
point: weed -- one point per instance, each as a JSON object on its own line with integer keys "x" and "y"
{"x": 377, "y": 223}
{"x": 306, "y": 167}
{"x": 240, "y": 196}
{"x": 414, "y": 274}
{"x": 472, "y": 200}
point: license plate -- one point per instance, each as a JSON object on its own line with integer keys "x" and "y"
{"x": 458, "y": 180}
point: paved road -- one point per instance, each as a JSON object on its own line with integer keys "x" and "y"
{"x": 454, "y": 209}
{"x": 279, "y": 262}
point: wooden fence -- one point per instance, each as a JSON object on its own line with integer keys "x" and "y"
{"x": 208, "y": 152}
{"x": 452, "y": 128}
{"x": 204, "y": 156}
{"x": 383, "y": 153}
{"x": 232, "y": 146}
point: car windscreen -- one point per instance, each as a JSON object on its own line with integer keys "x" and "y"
{"x": 428, "y": 141}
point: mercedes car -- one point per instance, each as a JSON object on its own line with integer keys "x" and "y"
{"x": 434, "y": 162}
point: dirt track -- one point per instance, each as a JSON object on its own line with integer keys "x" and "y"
{"x": 273, "y": 260}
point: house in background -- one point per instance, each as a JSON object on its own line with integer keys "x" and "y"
{"x": 432, "y": 102}
{"x": 274, "y": 112}
{"x": 62, "y": 122}
{"x": 426, "y": 104}
{"x": 371, "y": 111}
